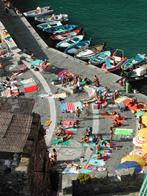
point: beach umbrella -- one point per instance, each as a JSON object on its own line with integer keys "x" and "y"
{"x": 144, "y": 147}
{"x": 144, "y": 119}
{"x": 129, "y": 165}
{"x": 142, "y": 133}
{"x": 135, "y": 158}
{"x": 138, "y": 152}
{"x": 139, "y": 141}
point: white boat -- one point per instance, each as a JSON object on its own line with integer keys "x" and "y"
{"x": 86, "y": 54}
{"x": 70, "y": 41}
{"x": 39, "y": 11}
{"x": 49, "y": 24}
{"x": 89, "y": 52}
{"x": 53, "y": 17}
{"x": 138, "y": 73}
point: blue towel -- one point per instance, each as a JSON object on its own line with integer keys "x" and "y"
{"x": 63, "y": 107}
{"x": 37, "y": 62}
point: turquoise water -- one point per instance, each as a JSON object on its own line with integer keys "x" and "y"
{"x": 121, "y": 24}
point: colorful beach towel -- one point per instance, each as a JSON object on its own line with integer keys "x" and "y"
{"x": 94, "y": 161}
{"x": 123, "y": 131}
{"x": 71, "y": 170}
{"x": 57, "y": 142}
{"x": 120, "y": 99}
{"x": 78, "y": 104}
{"x": 63, "y": 107}
{"x": 70, "y": 107}
{"x": 68, "y": 123}
{"x": 36, "y": 62}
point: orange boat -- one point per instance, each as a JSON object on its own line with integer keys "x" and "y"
{"x": 66, "y": 35}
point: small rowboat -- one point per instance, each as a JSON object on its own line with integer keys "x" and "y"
{"x": 51, "y": 18}
{"x": 38, "y": 12}
{"x": 60, "y": 29}
{"x": 129, "y": 63}
{"x": 74, "y": 49}
{"x": 49, "y": 25}
{"x": 66, "y": 35}
{"x": 138, "y": 73}
{"x": 69, "y": 41}
{"x": 89, "y": 52}
{"x": 111, "y": 64}
{"x": 100, "y": 58}
{"x": 114, "y": 62}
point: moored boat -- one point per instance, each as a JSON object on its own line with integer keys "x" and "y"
{"x": 66, "y": 35}
{"x": 89, "y": 52}
{"x": 114, "y": 62}
{"x": 129, "y": 63}
{"x": 39, "y": 11}
{"x": 100, "y": 58}
{"x": 138, "y": 73}
{"x": 60, "y": 29}
{"x": 69, "y": 41}
{"x": 51, "y": 18}
{"x": 49, "y": 25}
{"x": 74, "y": 49}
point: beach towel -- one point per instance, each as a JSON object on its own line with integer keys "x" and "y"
{"x": 6, "y": 93}
{"x": 61, "y": 73}
{"x": 84, "y": 171}
{"x": 88, "y": 144}
{"x": 63, "y": 107}
{"x": 57, "y": 141}
{"x": 73, "y": 130}
{"x": 36, "y": 62}
{"x": 71, "y": 170}
{"x": 30, "y": 89}
{"x": 47, "y": 123}
{"x": 54, "y": 96}
{"x": 123, "y": 131}
{"x": 127, "y": 101}
{"x": 121, "y": 99}
{"x": 94, "y": 161}
{"x": 27, "y": 81}
{"x": 70, "y": 107}
{"x": 78, "y": 104}
{"x": 67, "y": 123}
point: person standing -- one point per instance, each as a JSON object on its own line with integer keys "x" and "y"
{"x": 78, "y": 112}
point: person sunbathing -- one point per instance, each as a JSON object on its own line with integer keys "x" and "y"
{"x": 76, "y": 123}
{"x": 85, "y": 139}
{"x": 96, "y": 81}
{"x": 60, "y": 132}
{"x": 115, "y": 95}
{"x": 65, "y": 138}
{"x": 99, "y": 156}
{"x": 72, "y": 165}
{"x": 117, "y": 120}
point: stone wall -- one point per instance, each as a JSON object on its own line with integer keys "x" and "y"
{"x": 103, "y": 183}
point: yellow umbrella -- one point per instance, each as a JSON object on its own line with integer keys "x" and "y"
{"x": 135, "y": 158}
{"x": 144, "y": 147}
{"x": 142, "y": 133}
{"x": 144, "y": 119}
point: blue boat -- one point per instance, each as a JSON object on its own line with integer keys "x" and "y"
{"x": 100, "y": 58}
{"x": 129, "y": 63}
{"x": 60, "y": 29}
{"x": 74, "y": 49}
